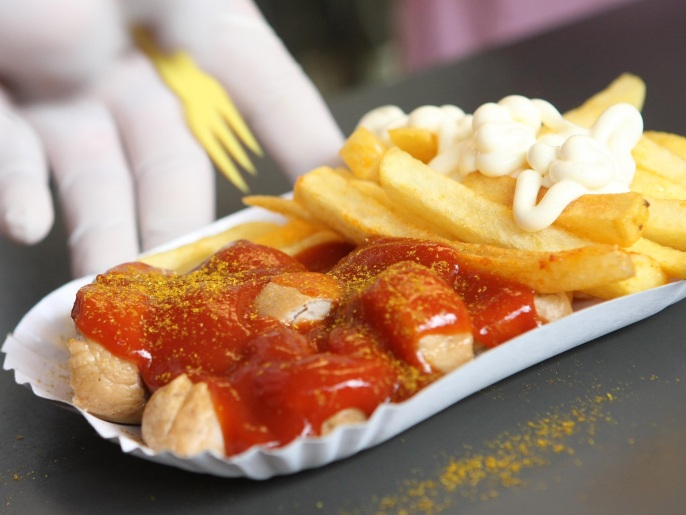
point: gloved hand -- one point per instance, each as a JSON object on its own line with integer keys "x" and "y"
{"x": 114, "y": 136}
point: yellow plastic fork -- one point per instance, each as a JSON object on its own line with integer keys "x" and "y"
{"x": 210, "y": 112}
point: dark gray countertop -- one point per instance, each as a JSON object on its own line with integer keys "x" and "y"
{"x": 599, "y": 429}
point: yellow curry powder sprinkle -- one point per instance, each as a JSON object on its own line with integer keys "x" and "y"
{"x": 481, "y": 474}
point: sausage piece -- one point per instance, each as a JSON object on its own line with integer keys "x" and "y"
{"x": 180, "y": 417}
{"x": 105, "y": 385}
{"x": 294, "y": 298}
{"x": 345, "y": 417}
{"x": 420, "y": 317}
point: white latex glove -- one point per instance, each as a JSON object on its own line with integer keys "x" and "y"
{"x": 232, "y": 41}
{"x": 278, "y": 100}
{"x": 26, "y": 210}
{"x": 115, "y": 137}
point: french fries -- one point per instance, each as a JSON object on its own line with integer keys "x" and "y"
{"x": 293, "y": 237}
{"x": 674, "y": 142}
{"x": 459, "y": 211}
{"x": 348, "y": 211}
{"x": 627, "y": 88}
{"x": 667, "y": 222}
{"x": 557, "y": 272}
{"x": 606, "y": 245}
{"x": 283, "y": 206}
{"x": 659, "y": 160}
{"x": 647, "y": 274}
{"x": 653, "y": 185}
{"x": 672, "y": 261}
{"x": 420, "y": 143}
{"x": 362, "y": 153}
{"x": 184, "y": 258}
{"x": 357, "y": 216}
{"x": 615, "y": 219}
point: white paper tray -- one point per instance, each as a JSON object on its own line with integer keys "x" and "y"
{"x": 37, "y": 353}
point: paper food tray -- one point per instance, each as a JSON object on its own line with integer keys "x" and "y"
{"x": 37, "y": 353}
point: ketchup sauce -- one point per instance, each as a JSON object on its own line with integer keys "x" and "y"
{"x": 408, "y": 301}
{"x": 272, "y": 382}
{"x": 499, "y": 309}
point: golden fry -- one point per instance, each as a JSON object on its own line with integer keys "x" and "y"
{"x": 288, "y": 235}
{"x": 420, "y": 143}
{"x": 553, "y": 272}
{"x": 496, "y": 189}
{"x": 375, "y": 191}
{"x": 674, "y": 142}
{"x": 672, "y": 261}
{"x": 647, "y": 274}
{"x": 626, "y": 88}
{"x": 362, "y": 152}
{"x": 316, "y": 239}
{"x": 616, "y": 219}
{"x": 283, "y": 206}
{"x": 459, "y": 211}
{"x": 653, "y": 185}
{"x": 667, "y": 223}
{"x": 186, "y": 257}
{"x": 346, "y": 210}
{"x": 659, "y": 160}
{"x": 372, "y": 190}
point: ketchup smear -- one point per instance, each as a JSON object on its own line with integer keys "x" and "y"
{"x": 272, "y": 382}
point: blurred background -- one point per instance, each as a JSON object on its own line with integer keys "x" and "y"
{"x": 339, "y": 43}
{"x": 343, "y": 44}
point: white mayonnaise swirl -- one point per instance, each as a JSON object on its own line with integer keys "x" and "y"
{"x": 530, "y": 140}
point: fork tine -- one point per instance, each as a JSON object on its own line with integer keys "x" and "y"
{"x": 226, "y": 166}
{"x": 227, "y": 138}
{"x": 228, "y": 110}
{"x": 223, "y": 104}
{"x": 218, "y": 155}
{"x": 210, "y": 113}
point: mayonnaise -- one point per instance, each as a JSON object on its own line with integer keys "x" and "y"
{"x": 530, "y": 140}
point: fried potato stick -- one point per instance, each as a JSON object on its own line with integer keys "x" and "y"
{"x": 667, "y": 223}
{"x": 354, "y": 214}
{"x": 674, "y": 142}
{"x": 627, "y": 88}
{"x": 184, "y": 258}
{"x": 361, "y": 152}
{"x": 648, "y": 274}
{"x": 653, "y": 185}
{"x": 616, "y": 219}
{"x": 672, "y": 261}
{"x": 337, "y": 203}
{"x": 660, "y": 160}
{"x": 464, "y": 214}
{"x": 283, "y": 206}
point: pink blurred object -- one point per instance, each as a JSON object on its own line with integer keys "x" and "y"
{"x": 433, "y": 31}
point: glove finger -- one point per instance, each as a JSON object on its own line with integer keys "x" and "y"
{"x": 175, "y": 24}
{"x": 278, "y": 100}
{"x": 26, "y": 209}
{"x": 92, "y": 180}
{"x": 174, "y": 177}
{"x": 51, "y": 48}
